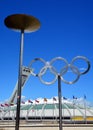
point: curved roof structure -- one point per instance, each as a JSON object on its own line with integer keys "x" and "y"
{"x": 72, "y": 110}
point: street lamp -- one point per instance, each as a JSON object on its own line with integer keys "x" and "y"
{"x": 22, "y": 23}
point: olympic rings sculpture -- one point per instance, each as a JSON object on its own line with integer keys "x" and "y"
{"x": 63, "y": 70}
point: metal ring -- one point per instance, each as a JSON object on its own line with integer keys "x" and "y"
{"x": 41, "y": 74}
{"x": 86, "y": 60}
{"x": 65, "y": 67}
{"x": 63, "y": 70}
{"x": 34, "y": 60}
{"x": 76, "y": 71}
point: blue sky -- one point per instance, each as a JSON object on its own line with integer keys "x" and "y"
{"x": 66, "y": 31}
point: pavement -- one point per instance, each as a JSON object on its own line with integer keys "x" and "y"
{"x": 44, "y": 126}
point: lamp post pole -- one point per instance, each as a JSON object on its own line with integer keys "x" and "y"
{"x": 19, "y": 81}
{"x": 23, "y": 23}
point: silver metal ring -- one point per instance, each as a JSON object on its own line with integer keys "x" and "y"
{"x": 44, "y": 69}
{"x": 31, "y": 63}
{"x": 75, "y": 71}
{"x": 63, "y": 70}
{"x": 82, "y": 58}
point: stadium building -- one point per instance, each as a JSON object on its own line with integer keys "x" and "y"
{"x": 73, "y": 110}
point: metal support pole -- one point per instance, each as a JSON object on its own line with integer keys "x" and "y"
{"x": 60, "y": 102}
{"x": 73, "y": 109}
{"x": 85, "y": 109}
{"x": 19, "y": 82}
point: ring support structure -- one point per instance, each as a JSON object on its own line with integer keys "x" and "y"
{"x": 63, "y": 70}
{"x": 59, "y": 75}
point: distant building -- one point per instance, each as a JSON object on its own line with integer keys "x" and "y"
{"x": 48, "y": 109}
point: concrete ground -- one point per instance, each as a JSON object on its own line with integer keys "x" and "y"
{"x": 44, "y": 126}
